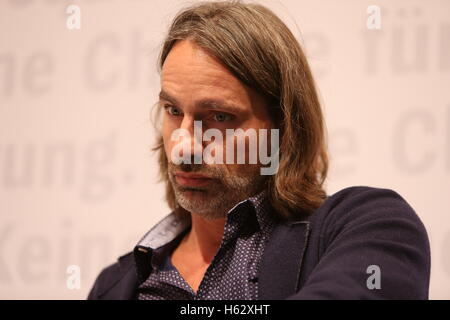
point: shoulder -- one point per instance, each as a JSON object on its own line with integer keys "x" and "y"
{"x": 361, "y": 204}
{"x": 359, "y": 227}
{"x": 364, "y": 195}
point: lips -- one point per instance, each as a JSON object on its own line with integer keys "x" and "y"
{"x": 192, "y": 179}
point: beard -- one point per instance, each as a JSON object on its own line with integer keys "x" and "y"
{"x": 222, "y": 193}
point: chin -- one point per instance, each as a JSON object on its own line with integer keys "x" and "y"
{"x": 197, "y": 193}
{"x": 192, "y": 197}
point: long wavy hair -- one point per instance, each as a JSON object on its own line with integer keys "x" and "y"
{"x": 260, "y": 50}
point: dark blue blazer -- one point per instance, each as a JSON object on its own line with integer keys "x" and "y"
{"x": 328, "y": 255}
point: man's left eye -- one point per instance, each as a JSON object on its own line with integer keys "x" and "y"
{"x": 221, "y": 117}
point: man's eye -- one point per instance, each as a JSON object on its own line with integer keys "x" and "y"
{"x": 172, "y": 110}
{"x": 221, "y": 117}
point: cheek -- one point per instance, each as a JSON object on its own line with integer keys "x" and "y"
{"x": 167, "y": 149}
{"x": 166, "y": 133}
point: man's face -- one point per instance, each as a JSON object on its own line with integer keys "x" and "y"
{"x": 195, "y": 86}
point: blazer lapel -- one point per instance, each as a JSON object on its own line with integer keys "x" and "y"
{"x": 121, "y": 286}
{"x": 129, "y": 281}
{"x": 282, "y": 259}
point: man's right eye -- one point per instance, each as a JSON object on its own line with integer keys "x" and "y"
{"x": 174, "y": 111}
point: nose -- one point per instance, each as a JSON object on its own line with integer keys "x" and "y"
{"x": 191, "y": 141}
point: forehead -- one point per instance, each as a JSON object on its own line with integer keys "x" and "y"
{"x": 190, "y": 71}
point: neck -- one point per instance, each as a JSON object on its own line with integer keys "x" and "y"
{"x": 205, "y": 236}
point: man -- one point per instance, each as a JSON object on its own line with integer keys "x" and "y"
{"x": 236, "y": 232}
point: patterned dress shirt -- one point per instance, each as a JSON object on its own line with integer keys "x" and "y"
{"x": 233, "y": 272}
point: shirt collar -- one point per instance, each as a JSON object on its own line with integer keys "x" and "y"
{"x": 253, "y": 212}
{"x": 164, "y": 231}
{"x": 172, "y": 225}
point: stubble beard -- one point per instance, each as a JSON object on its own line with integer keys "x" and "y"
{"x": 226, "y": 190}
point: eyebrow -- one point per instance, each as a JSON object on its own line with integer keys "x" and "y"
{"x": 209, "y": 103}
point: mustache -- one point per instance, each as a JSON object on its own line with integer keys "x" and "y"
{"x": 207, "y": 170}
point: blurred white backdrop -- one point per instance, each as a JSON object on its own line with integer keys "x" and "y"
{"x": 78, "y": 182}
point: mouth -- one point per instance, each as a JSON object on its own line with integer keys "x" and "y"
{"x": 192, "y": 179}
